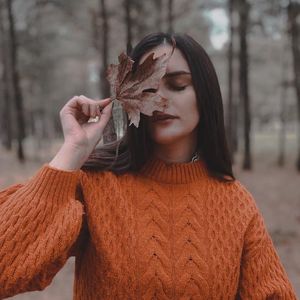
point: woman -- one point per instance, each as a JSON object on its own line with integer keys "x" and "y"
{"x": 172, "y": 224}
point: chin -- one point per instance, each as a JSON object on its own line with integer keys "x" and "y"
{"x": 165, "y": 138}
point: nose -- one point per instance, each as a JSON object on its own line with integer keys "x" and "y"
{"x": 161, "y": 90}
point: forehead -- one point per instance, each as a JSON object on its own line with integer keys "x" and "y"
{"x": 177, "y": 61}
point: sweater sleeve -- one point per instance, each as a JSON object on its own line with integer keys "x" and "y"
{"x": 41, "y": 222}
{"x": 262, "y": 274}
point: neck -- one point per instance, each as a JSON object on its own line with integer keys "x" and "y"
{"x": 180, "y": 151}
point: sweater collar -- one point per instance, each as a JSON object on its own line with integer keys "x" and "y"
{"x": 175, "y": 173}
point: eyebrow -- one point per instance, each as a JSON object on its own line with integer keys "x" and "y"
{"x": 176, "y": 73}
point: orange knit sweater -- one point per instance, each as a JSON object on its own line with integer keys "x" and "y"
{"x": 169, "y": 232}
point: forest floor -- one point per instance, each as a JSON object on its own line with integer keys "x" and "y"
{"x": 276, "y": 191}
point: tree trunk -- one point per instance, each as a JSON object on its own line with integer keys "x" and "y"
{"x": 109, "y": 134}
{"x": 244, "y": 80}
{"x": 235, "y": 76}
{"x": 170, "y": 16}
{"x": 294, "y": 29}
{"x": 282, "y": 132}
{"x": 128, "y": 22}
{"x": 141, "y": 28}
{"x": 158, "y": 14}
{"x": 17, "y": 93}
{"x": 104, "y": 51}
{"x": 4, "y": 85}
{"x": 230, "y": 75}
{"x": 283, "y": 96}
{"x": 231, "y": 123}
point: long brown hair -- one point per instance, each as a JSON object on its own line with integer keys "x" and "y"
{"x": 132, "y": 151}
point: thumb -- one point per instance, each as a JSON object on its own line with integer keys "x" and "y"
{"x": 96, "y": 129}
{"x": 104, "y": 117}
{"x": 106, "y": 113}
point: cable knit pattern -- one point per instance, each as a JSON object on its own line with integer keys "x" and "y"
{"x": 169, "y": 232}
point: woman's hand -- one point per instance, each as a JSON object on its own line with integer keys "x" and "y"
{"x": 81, "y": 136}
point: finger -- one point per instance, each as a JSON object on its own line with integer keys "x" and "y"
{"x": 93, "y": 110}
{"x": 85, "y": 108}
{"x": 86, "y": 98}
{"x": 107, "y": 109}
{"x": 106, "y": 113}
{"x": 104, "y": 102}
{"x": 99, "y": 104}
{"x": 92, "y": 107}
{"x": 83, "y": 99}
{"x": 92, "y": 101}
{"x": 76, "y": 103}
{"x": 105, "y": 116}
{"x": 99, "y": 110}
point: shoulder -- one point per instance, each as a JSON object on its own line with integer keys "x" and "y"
{"x": 235, "y": 197}
{"x": 240, "y": 191}
{"x": 243, "y": 198}
{"x": 235, "y": 202}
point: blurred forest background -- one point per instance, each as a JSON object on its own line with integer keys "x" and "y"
{"x": 51, "y": 50}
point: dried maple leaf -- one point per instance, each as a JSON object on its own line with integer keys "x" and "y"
{"x": 130, "y": 88}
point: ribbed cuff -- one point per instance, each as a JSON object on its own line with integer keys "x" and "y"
{"x": 51, "y": 182}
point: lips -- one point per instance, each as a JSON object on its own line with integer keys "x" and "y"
{"x": 157, "y": 116}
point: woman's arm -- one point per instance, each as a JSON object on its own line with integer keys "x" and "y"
{"x": 262, "y": 274}
{"x": 40, "y": 228}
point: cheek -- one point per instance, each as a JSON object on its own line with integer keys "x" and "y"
{"x": 188, "y": 110}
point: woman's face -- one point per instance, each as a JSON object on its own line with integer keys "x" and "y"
{"x": 177, "y": 87}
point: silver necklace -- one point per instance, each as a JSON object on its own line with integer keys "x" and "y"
{"x": 195, "y": 157}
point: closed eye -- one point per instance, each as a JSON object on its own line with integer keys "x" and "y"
{"x": 150, "y": 91}
{"x": 177, "y": 88}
